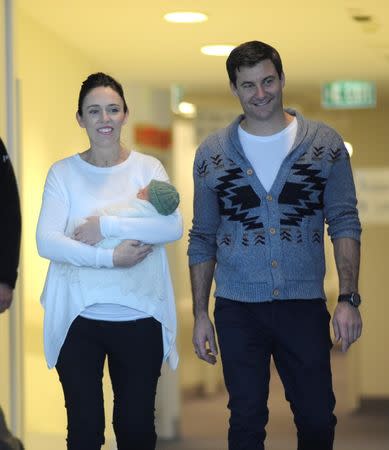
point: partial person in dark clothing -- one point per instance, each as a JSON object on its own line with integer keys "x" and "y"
{"x": 7, "y": 440}
{"x": 10, "y": 230}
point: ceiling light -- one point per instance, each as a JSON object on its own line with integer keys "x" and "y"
{"x": 349, "y": 148}
{"x": 187, "y": 109}
{"x": 217, "y": 50}
{"x": 185, "y": 17}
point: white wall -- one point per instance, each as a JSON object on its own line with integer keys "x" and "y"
{"x": 194, "y": 374}
{"x": 368, "y": 132}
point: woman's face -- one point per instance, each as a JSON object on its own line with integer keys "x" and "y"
{"x": 103, "y": 116}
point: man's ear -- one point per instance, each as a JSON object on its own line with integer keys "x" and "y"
{"x": 80, "y": 120}
{"x": 282, "y": 79}
{"x": 233, "y": 89}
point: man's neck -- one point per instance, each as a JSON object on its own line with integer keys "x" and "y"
{"x": 267, "y": 128}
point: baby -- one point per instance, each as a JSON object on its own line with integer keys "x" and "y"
{"x": 157, "y": 197}
{"x": 144, "y": 281}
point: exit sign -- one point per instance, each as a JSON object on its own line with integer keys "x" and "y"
{"x": 348, "y": 95}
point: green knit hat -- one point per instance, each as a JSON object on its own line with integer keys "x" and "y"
{"x": 163, "y": 196}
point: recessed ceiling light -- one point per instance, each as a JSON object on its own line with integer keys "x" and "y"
{"x": 185, "y": 17}
{"x": 217, "y": 50}
{"x": 187, "y": 109}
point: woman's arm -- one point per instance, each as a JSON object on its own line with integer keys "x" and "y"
{"x": 151, "y": 230}
{"x": 51, "y": 240}
{"x": 156, "y": 229}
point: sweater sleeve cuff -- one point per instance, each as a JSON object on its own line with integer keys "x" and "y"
{"x": 107, "y": 226}
{"x": 104, "y": 257}
{"x": 199, "y": 259}
{"x": 352, "y": 234}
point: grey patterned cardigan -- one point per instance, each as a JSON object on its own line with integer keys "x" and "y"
{"x": 269, "y": 245}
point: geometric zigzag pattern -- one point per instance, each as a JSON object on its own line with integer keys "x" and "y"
{"x": 301, "y": 198}
{"x": 235, "y": 200}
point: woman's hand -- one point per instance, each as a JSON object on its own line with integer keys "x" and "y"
{"x": 89, "y": 232}
{"x": 128, "y": 253}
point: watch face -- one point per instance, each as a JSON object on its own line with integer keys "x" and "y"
{"x": 355, "y": 299}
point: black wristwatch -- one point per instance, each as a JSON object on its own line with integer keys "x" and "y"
{"x": 353, "y": 298}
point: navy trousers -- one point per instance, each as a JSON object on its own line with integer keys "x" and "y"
{"x": 134, "y": 350}
{"x": 296, "y": 334}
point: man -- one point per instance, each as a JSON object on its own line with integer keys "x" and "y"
{"x": 10, "y": 231}
{"x": 263, "y": 188}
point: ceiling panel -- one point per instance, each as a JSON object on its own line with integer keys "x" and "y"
{"x": 319, "y": 41}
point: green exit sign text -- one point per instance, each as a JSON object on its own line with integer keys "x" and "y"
{"x": 348, "y": 95}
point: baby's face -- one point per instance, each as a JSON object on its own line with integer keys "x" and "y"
{"x": 143, "y": 194}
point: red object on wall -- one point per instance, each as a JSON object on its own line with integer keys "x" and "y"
{"x": 151, "y": 136}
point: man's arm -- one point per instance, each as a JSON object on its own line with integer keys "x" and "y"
{"x": 202, "y": 255}
{"x": 204, "y": 341}
{"x": 10, "y": 229}
{"x": 347, "y": 320}
{"x": 344, "y": 227}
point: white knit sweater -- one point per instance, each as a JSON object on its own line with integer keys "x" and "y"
{"x": 74, "y": 190}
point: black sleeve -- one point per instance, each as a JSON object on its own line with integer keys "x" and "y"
{"x": 10, "y": 220}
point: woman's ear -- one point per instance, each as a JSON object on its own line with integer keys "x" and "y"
{"x": 80, "y": 120}
{"x": 126, "y": 117}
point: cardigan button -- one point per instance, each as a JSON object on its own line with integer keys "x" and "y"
{"x": 269, "y": 198}
{"x": 276, "y": 292}
{"x": 250, "y": 172}
{"x": 274, "y": 264}
{"x": 272, "y": 230}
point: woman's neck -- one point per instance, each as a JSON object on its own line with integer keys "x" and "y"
{"x": 105, "y": 157}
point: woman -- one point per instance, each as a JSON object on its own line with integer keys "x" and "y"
{"x": 79, "y": 332}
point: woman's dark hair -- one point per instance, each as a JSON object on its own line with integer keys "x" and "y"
{"x": 96, "y": 80}
{"x": 249, "y": 54}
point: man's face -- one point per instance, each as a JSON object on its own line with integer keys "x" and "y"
{"x": 259, "y": 90}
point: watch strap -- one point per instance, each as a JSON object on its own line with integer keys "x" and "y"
{"x": 353, "y": 298}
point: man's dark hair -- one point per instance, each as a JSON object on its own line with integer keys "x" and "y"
{"x": 97, "y": 80}
{"x": 250, "y": 54}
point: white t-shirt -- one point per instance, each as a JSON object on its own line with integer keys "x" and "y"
{"x": 266, "y": 153}
{"x": 75, "y": 190}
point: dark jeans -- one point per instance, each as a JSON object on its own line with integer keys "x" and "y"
{"x": 134, "y": 351}
{"x": 296, "y": 334}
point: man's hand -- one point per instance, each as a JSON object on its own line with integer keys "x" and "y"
{"x": 203, "y": 334}
{"x": 128, "y": 253}
{"x": 5, "y": 297}
{"x": 89, "y": 232}
{"x": 347, "y": 324}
